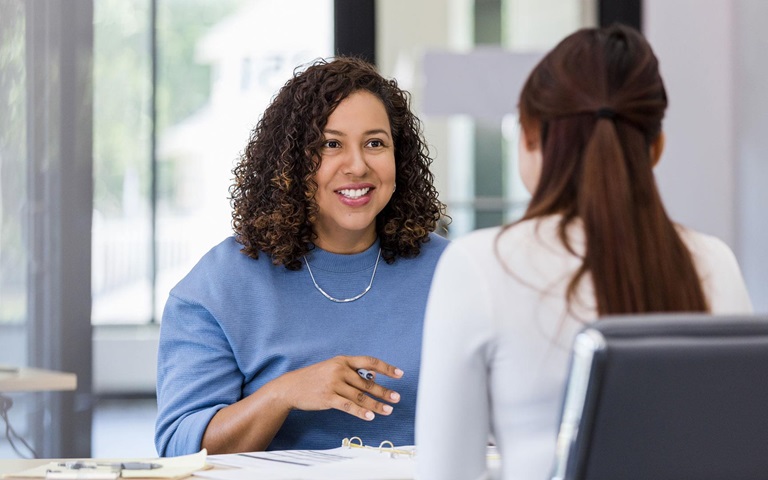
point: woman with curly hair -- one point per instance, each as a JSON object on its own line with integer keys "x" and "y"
{"x": 305, "y": 326}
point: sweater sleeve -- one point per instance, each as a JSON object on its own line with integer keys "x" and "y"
{"x": 196, "y": 377}
{"x": 452, "y": 413}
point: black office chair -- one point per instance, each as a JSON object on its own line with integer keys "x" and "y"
{"x": 657, "y": 397}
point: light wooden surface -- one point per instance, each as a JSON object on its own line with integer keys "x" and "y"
{"x": 10, "y": 466}
{"x": 35, "y": 380}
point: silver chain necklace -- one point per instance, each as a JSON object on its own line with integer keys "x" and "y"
{"x": 344, "y": 300}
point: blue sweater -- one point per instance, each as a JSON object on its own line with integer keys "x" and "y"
{"x": 235, "y": 323}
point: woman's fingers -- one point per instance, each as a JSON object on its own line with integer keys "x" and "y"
{"x": 359, "y": 394}
{"x": 371, "y": 364}
{"x": 358, "y": 403}
{"x": 373, "y": 389}
{"x": 346, "y": 383}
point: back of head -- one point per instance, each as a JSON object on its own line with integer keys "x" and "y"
{"x": 613, "y": 69}
{"x": 595, "y": 104}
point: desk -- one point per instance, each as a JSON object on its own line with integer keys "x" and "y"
{"x": 29, "y": 380}
{"x": 172, "y": 467}
{"x": 8, "y": 466}
{"x": 36, "y": 380}
{"x": 11, "y": 466}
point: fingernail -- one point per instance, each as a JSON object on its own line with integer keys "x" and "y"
{"x": 369, "y": 415}
{"x": 394, "y": 396}
{"x": 398, "y": 372}
{"x": 387, "y": 408}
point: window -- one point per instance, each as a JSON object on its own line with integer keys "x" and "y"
{"x": 161, "y": 195}
{"x": 45, "y": 213}
{"x": 13, "y": 203}
{"x": 13, "y": 184}
{"x": 469, "y": 113}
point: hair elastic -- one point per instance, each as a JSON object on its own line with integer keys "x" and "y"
{"x": 605, "y": 112}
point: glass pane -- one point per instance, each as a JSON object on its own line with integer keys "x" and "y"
{"x": 475, "y": 153}
{"x": 191, "y": 165}
{"x": 219, "y": 65}
{"x": 540, "y": 24}
{"x": 121, "y": 277}
{"x": 13, "y": 207}
{"x": 13, "y": 182}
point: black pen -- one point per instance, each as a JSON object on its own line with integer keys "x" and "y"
{"x": 366, "y": 374}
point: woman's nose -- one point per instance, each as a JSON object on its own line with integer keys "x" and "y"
{"x": 356, "y": 163}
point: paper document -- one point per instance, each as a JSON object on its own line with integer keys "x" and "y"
{"x": 351, "y": 461}
{"x": 341, "y": 463}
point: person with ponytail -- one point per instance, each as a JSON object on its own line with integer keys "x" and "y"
{"x": 595, "y": 240}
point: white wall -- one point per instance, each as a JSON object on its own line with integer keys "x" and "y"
{"x": 751, "y": 149}
{"x": 125, "y": 359}
{"x": 697, "y": 171}
{"x": 713, "y": 172}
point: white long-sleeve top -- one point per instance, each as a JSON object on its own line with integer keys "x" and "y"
{"x": 496, "y": 345}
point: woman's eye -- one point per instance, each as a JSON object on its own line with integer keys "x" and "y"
{"x": 331, "y": 144}
{"x": 375, "y": 143}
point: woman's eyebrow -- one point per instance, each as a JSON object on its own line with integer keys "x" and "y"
{"x": 334, "y": 132}
{"x": 375, "y": 131}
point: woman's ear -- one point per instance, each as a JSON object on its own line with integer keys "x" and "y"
{"x": 529, "y": 161}
{"x": 657, "y": 148}
{"x": 529, "y": 139}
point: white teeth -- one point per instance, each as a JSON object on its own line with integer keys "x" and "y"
{"x": 354, "y": 192}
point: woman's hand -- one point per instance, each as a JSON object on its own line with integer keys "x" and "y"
{"x": 335, "y": 383}
{"x": 251, "y": 423}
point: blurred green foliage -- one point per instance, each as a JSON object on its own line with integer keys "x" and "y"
{"x": 123, "y": 83}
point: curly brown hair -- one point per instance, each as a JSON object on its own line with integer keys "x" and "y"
{"x": 273, "y": 192}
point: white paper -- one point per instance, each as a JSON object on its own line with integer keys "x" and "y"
{"x": 341, "y": 463}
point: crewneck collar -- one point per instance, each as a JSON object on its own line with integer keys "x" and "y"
{"x": 321, "y": 259}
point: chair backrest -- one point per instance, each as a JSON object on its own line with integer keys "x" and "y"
{"x": 657, "y": 397}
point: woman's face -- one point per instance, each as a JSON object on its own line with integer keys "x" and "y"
{"x": 356, "y": 177}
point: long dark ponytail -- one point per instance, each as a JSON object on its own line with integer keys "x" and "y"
{"x": 595, "y": 104}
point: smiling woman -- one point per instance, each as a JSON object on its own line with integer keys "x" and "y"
{"x": 256, "y": 353}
